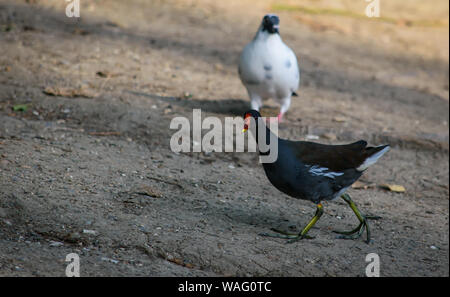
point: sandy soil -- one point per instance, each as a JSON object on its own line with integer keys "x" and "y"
{"x": 128, "y": 69}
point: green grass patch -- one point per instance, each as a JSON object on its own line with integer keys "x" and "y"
{"x": 20, "y": 107}
{"x": 351, "y": 14}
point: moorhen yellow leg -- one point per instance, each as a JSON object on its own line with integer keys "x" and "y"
{"x": 297, "y": 236}
{"x": 363, "y": 222}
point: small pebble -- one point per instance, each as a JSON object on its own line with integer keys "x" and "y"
{"x": 56, "y": 243}
{"x": 312, "y": 137}
{"x": 110, "y": 260}
{"x": 4, "y": 163}
{"x": 92, "y": 232}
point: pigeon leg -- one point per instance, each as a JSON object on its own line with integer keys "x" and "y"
{"x": 285, "y": 103}
{"x": 297, "y": 236}
{"x": 256, "y": 100}
{"x": 280, "y": 117}
{"x": 363, "y": 222}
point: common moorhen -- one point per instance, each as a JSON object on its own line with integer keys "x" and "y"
{"x": 316, "y": 172}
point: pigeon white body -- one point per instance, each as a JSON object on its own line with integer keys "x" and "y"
{"x": 268, "y": 68}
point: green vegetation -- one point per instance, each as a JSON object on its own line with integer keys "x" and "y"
{"x": 351, "y": 14}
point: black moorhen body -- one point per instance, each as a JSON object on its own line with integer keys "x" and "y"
{"x": 317, "y": 172}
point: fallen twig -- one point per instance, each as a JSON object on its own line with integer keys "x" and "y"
{"x": 111, "y": 133}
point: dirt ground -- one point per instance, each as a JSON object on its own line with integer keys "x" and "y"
{"x": 90, "y": 170}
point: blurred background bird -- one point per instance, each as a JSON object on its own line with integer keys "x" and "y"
{"x": 268, "y": 68}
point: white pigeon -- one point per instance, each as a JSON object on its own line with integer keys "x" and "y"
{"x": 268, "y": 68}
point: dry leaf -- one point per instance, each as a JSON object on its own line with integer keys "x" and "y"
{"x": 393, "y": 188}
{"x": 329, "y": 136}
{"x": 176, "y": 261}
{"x": 180, "y": 262}
{"x": 362, "y": 185}
{"x": 68, "y": 92}
{"x": 55, "y": 91}
{"x": 339, "y": 119}
{"x": 149, "y": 191}
{"x": 78, "y": 31}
